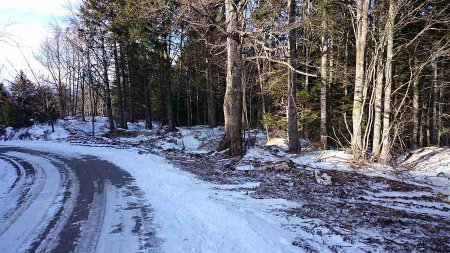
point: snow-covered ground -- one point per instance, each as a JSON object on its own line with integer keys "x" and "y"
{"x": 268, "y": 200}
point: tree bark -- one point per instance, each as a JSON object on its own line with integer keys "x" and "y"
{"x": 386, "y": 142}
{"x": 244, "y": 103}
{"x": 323, "y": 87}
{"x": 376, "y": 147}
{"x": 62, "y": 101}
{"x": 232, "y": 105}
{"x": 293, "y": 138}
{"x": 148, "y": 106}
{"x": 123, "y": 73}
{"x": 263, "y": 102}
{"x": 434, "y": 102}
{"x": 123, "y": 123}
{"x": 358, "y": 110}
{"x": 416, "y": 108}
{"x": 168, "y": 85}
{"x": 211, "y": 101}
{"x": 83, "y": 98}
{"x": 440, "y": 102}
{"x": 107, "y": 87}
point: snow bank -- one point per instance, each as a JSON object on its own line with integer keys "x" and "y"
{"x": 63, "y": 129}
{"x": 328, "y": 159}
{"x": 431, "y": 164}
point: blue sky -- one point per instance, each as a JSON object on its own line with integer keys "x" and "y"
{"x": 29, "y": 25}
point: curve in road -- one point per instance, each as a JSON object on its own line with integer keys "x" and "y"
{"x": 54, "y": 203}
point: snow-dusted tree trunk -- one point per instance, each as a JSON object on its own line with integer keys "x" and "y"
{"x": 294, "y": 143}
{"x": 232, "y": 104}
{"x": 362, "y": 10}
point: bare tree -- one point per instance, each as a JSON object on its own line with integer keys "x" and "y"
{"x": 294, "y": 143}
{"x": 232, "y": 106}
{"x": 323, "y": 85}
{"x": 362, "y": 11}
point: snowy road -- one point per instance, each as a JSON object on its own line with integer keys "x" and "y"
{"x": 56, "y": 203}
{"x": 59, "y": 197}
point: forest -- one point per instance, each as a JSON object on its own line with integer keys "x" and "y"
{"x": 368, "y": 76}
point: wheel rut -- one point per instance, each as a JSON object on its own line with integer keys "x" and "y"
{"x": 90, "y": 205}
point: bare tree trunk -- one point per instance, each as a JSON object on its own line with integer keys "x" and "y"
{"x": 71, "y": 81}
{"x": 428, "y": 117}
{"x": 307, "y": 60}
{"x": 376, "y": 147}
{"x": 148, "y": 106}
{"x": 178, "y": 106}
{"x": 123, "y": 122}
{"x": 189, "y": 100}
{"x": 91, "y": 89}
{"x": 306, "y": 16}
{"x": 211, "y": 96}
{"x": 168, "y": 85}
{"x": 293, "y": 138}
{"x": 244, "y": 103}
{"x": 346, "y": 81}
{"x": 330, "y": 71}
{"x": 233, "y": 95}
{"x": 358, "y": 110}
{"x": 434, "y": 102}
{"x": 263, "y": 102}
{"x": 128, "y": 89}
{"x": 107, "y": 87}
{"x": 62, "y": 102}
{"x": 423, "y": 119}
{"x": 123, "y": 73}
{"x": 323, "y": 87}
{"x": 83, "y": 98}
{"x": 440, "y": 108}
{"x": 91, "y": 94}
{"x": 416, "y": 108}
{"x": 386, "y": 142}
{"x": 78, "y": 84}
{"x": 197, "y": 98}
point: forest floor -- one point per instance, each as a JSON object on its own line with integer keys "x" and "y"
{"x": 328, "y": 203}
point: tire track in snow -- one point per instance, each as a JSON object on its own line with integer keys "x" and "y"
{"x": 35, "y": 206}
{"x": 23, "y": 193}
{"x": 75, "y": 218}
{"x": 7, "y": 182}
{"x": 48, "y": 238}
{"x": 92, "y": 227}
